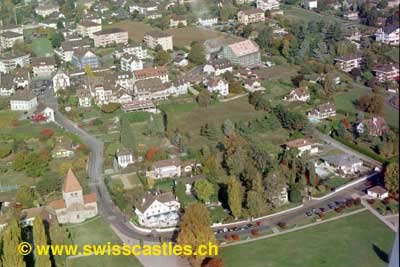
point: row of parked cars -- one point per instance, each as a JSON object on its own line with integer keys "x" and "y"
{"x": 237, "y": 228}
{"x": 330, "y": 206}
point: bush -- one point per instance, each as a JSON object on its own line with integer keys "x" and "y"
{"x": 97, "y": 122}
{"x": 228, "y": 237}
{"x": 235, "y": 237}
{"x": 339, "y": 209}
{"x": 385, "y": 201}
{"x": 5, "y": 150}
{"x": 295, "y": 196}
{"x": 282, "y": 225}
{"x": 110, "y": 108}
{"x": 349, "y": 202}
{"x": 254, "y": 232}
{"x": 357, "y": 201}
{"x": 258, "y": 223}
{"x": 46, "y": 133}
{"x": 371, "y": 201}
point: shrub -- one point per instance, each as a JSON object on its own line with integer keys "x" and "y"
{"x": 385, "y": 201}
{"x": 357, "y": 201}
{"x": 110, "y": 108}
{"x": 5, "y": 150}
{"x": 349, "y": 202}
{"x": 282, "y": 225}
{"x": 371, "y": 201}
{"x": 321, "y": 215}
{"x": 151, "y": 153}
{"x": 228, "y": 237}
{"x": 235, "y": 237}
{"x": 254, "y": 232}
{"x": 258, "y": 223}
{"x": 46, "y": 133}
{"x": 213, "y": 262}
{"x": 338, "y": 209}
{"x": 97, "y": 122}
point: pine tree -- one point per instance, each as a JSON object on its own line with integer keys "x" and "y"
{"x": 11, "y": 237}
{"x": 234, "y": 196}
{"x": 40, "y": 239}
{"x": 228, "y": 127}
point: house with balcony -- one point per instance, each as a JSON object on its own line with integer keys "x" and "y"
{"x": 43, "y": 67}
{"x": 83, "y": 57}
{"x": 23, "y": 100}
{"x": 299, "y": 94}
{"x": 302, "y": 145}
{"x": 323, "y": 111}
{"x": 130, "y": 63}
{"x": 158, "y": 38}
{"x": 218, "y": 85}
{"x": 124, "y": 157}
{"x": 386, "y": 72}
{"x": 388, "y": 35}
{"x": 165, "y": 168}
{"x": 250, "y": 16}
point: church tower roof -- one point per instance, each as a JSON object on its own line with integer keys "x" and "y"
{"x": 71, "y": 183}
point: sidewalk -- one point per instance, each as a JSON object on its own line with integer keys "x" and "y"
{"x": 379, "y": 216}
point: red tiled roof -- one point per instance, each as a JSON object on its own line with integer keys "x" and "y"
{"x": 71, "y": 183}
{"x": 89, "y": 198}
{"x": 57, "y": 204}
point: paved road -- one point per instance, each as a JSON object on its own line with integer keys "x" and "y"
{"x": 329, "y": 140}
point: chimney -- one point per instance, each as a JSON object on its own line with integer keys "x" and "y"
{"x": 143, "y": 200}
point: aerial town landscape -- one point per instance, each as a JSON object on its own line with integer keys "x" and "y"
{"x": 267, "y": 127}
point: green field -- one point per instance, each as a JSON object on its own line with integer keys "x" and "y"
{"x": 345, "y": 102}
{"x": 97, "y": 231}
{"x": 359, "y": 240}
{"x": 42, "y": 47}
{"x": 190, "y": 118}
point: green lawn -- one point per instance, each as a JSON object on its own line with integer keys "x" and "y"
{"x": 42, "y": 47}
{"x": 335, "y": 182}
{"x": 97, "y": 231}
{"x": 355, "y": 241}
{"x": 104, "y": 261}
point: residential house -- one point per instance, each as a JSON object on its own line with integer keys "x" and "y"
{"x": 143, "y": 8}
{"x": 253, "y": 85}
{"x": 388, "y": 35}
{"x": 302, "y": 145}
{"x": 208, "y": 20}
{"x": 23, "y": 100}
{"x": 268, "y": 5}
{"x": 46, "y": 10}
{"x": 218, "y": 85}
{"x": 134, "y": 49}
{"x": 130, "y": 63}
{"x": 165, "y": 168}
{"x": 61, "y": 81}
{"x": 352, "y": 34}
{"x": 244, "y": 53}
{"x": 351, "y": 15}
{"x": 28, "y": 216}
{"x": 84, "y": 97}
{"x": 378, "y": 192}
{"x": 6, "y": 85}
{"x": 180, "y": 87}
{"x": 22, "y": 78}
{"x": 158, "y": 210}
{"x": 83, "y": 57}
{"x": 299, "y": 94}
{"x": 124, "y": 157}
{"x": 74, "y": 207}
{"x": 156, "y": 14}
{"x": 68, "y": 47}
{"x": 152, "y": 89}
{"x": 63, "y": 148}
{"x": 159, "y": 38}
{"x": 218, "y": 66}
{"x": 343, "y": 163}
{"x": 88, "y": 28}
{"x": 177, "y": 21}
{"x": 110, "y": 36}
{"x": 349, "y": 62}
{"x": 43, "y": 114}
{"x": 8, "y": 39}
{"x": 386, "y": 72}
{"x": 376, "y": 126}
{"x": 310, "y": 4}
{"x": 149, "y": 73}
{"x": 43, "y": 67}
{"x": 10, "y": 61}
{"x": 181, "y": 61}
{"x": 323, "y": 111}
{"x": 249, "y": 16}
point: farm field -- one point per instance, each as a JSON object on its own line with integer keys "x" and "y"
{"x": 359, "y": 240}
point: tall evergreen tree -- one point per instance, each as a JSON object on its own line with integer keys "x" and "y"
{"x": 40, "y": 239}
{"x": 11, "y": 237}
{"x": 234, "y": 196}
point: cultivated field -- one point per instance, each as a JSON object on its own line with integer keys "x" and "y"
{"x": 359, "y": 240}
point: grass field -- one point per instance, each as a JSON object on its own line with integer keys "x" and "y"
{"x": 190, "y": 118}
{"x": 97, "y": 231}
{"x": 298, "y": 13}
{"x": 181, "y": 37}
{"x": 359, "y": 240}
{"x": 42, "y": 47}
{"x": 345, "y": 102}
{"x": 6, "y": 117}
{"x": 185, "y": 36}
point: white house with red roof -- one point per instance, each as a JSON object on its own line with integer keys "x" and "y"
{"x": 376, "y": 126}
{"x": 299, "y": 94}
{"x": 74, "y": 207}
{"x": 218, "y": 85}
{"x": 245, "y": 53}
{"x": 386, "y": 72}
{"x": 302, "y": 145}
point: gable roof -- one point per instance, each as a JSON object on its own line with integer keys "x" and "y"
{"x": 71, "y": 183}
{"x": 243, "y": 48}
{"x": 149, "y": 198}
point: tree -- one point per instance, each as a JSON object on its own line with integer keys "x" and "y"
{"x": 162, "y": 57}
{"x": 110, "y": 107}
{"x": 180, "y": 190}
{"x": 40, "y": 239}
{"x": 235, "y": 154}
{"x": 295, "y": 196}
{"x": 11, "y": 237}
{"x": 372, "y": 104}
{"x": 321, "y": 51}
{"x": 204, "y": 190}
{"x": 210, "y": 131}
{"x": 234, "y": 196}
{"x": 236, "y": 87}
{"x": 312, "y": 177}
{"x": 151, "y": 153}
{"x": 56, "y": 38}
{"x": 19, "y": 162}
{"x": 392, "y": 177}
{"x": 204, "y": 98}
{"x": 197, "y": 54}
{"x": 255, "y": 203}
{"x": 88, "y": 71}
{"x": 150, "y": 183}
{"x": 228, "y": 127}
{"x": 265, "y": 37}
{"x": 26, "y": 196}
{"x": 195, "y": 229}
{"x": 247, "y": 30}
